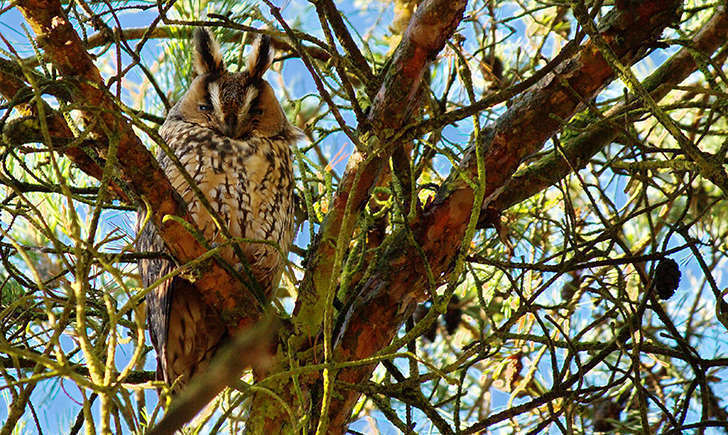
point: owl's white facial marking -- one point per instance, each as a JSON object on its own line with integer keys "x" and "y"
{"x": 213, "y": 89}
{"x": 247, "y": 113}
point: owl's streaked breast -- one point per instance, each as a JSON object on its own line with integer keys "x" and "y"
{"x": 248, "y": 183}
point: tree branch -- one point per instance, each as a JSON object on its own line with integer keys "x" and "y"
{"x": 248, "y": 348}
{"x": 430, "y": 27}
{"x": 550, "y": 169}
{"x": 11, "y": 85}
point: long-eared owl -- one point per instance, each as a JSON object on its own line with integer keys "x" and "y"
{"x": 233, "y": 139}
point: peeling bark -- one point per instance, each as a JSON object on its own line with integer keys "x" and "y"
{"x": 11, "y": 84}
{"x": 549, "y": 170}
{"x": 433, "y": 24}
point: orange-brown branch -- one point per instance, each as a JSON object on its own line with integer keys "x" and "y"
{"x": 548, "y": 170}
{"x": 431, "y": 26}
{"x": 11, "y": 83}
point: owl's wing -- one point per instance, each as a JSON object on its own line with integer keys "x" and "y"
{"x": 159, "y": 302}
{"x": 185, "y": 331}
{"x": 194, "y": 332}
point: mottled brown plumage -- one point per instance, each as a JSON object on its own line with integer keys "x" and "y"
{"x": 232, "y": 137}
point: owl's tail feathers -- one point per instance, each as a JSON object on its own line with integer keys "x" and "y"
{"x": 185, "y": 332}
{"x": 194, "y": 333}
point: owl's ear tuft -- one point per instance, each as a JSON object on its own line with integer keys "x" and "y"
{"x": 260, "y": 57}
{"x": 208, "y": 58}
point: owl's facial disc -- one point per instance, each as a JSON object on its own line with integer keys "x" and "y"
{"x": 233, "y": 106}
{"x": 237, "y": 100}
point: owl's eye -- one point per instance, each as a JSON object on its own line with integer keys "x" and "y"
{"x": 205, "y": 107}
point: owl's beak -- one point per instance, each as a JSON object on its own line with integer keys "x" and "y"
{"x": 229, "y": 124}
{"x": 229, "y": 130}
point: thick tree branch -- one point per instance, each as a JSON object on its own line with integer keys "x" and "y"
{"x": 578, "y": 151}
{"x": 709, "y": 166}
{"x": 12, "y": 84}
{"x": 430, "y": 27}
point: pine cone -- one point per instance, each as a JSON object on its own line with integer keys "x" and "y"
{"x": 667, "y": 278}
{"x": 453, "y": 315}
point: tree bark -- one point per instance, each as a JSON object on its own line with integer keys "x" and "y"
{"x": 579, "y": 150}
